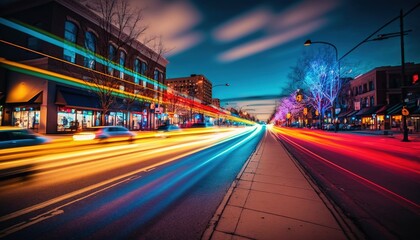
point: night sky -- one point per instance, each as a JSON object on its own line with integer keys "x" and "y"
{"x": 253, "y": 44}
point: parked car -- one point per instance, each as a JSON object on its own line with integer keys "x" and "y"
{"x": 103, "y": 133}
{"x": 18, "y": 137}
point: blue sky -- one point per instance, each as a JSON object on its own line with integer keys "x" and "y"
{"x": 253, "y": 44}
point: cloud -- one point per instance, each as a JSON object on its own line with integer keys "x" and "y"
{"x": 297, "y": 21}
{"x": 271, "y": 41}
{"x": 173, "y": 21}
{"x": 178, "y": 44}
{"x": 243, "y": 25}
{"x": 303, "y": 12}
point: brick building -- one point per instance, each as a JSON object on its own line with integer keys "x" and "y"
{"x": 63, "y": 67}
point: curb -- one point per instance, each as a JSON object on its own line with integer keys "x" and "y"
{"x": 211, "y": 226}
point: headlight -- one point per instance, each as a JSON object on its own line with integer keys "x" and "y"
{"x": 83, "y": 136}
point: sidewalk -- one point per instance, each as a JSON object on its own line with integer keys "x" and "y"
{"x": 272, "y": 198}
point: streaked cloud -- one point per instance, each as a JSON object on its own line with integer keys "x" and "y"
{"x": 243, "y": 25}
{"x": 298, "y": 20}
{"x": 269, "y": 42}
{"x": 303, "y": 12}
{"x": 185, "y": 41}
{"x": 174, "y": 21}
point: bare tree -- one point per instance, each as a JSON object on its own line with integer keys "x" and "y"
{"x": 317, "y": 74}
{"x": 119, "y": 27}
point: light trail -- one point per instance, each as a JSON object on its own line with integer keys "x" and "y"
{"x": 174, "y": 176}
{"x": 351, "y": 147}
{"x": 281, "y": 133}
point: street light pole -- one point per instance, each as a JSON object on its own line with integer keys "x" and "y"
{"x": 403, "y": 81}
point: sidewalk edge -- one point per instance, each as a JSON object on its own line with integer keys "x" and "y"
{"x": 211, "y": 226}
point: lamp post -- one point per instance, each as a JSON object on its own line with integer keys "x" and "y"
{"x": 308, "y": 43}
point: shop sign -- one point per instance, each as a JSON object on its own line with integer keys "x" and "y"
{"x": 405, "y": 111}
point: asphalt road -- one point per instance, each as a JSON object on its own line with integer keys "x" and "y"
{"x": 157, "y": 188}
{"x": 374, "y": 179}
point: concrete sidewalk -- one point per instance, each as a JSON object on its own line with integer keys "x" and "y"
{"x": 272, "y": 198}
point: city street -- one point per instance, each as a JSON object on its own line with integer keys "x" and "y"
{"x": 167, "y": 188}
{"x": 375, "y": 179}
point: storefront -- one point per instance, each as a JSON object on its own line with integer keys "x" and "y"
{"x": 116, "y": 119}
{"x": 26, "y": 117}
{"x": 71, "y": 119}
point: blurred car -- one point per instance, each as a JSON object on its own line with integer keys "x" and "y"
{"x": 168, "y": 128}
{"x": 201, "y": 125}
{"x": 18, "y": 137}
{"x": 164, "y": 129}
{"x": 103, "y": 133}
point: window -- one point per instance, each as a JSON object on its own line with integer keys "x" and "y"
{"x": 394, "y": 80}
{"x": 155, "y": 85}
{"x": 70, "y": 35}
{"x": 143, "y": 68}
{"x": 360, "y": 89}
{"x": 33, "y": 42}
{"x": 372, "y": 101}
{"x": 156, "y": 75}
{"x": 371, "y": 86}
{"x": 122, "y": 64}
{"x": 136, "y": 70}
{"x": 111, "y": 58}
{"x": 90, "y": 45}
{"x": 365, "y": 88}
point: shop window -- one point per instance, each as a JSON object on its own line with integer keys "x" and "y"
{"x": 70, "y": 35}
{"x": 26, "y": 118}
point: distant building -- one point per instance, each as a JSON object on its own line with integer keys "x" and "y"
{"x": 216, "y": 102}
{"x": 196, "y": 86}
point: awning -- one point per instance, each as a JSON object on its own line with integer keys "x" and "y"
{"x": 71, "y": 99}
{"x": 368, "y": 111}
{"x": 25, "y": 97}
{"x": 24, "y": 92}
{"x": 353, "y": 113}
{"x": 344, "y": 114}
{"x": 395, "y": 110}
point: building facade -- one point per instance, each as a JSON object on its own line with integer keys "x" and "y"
{"x": 64, "y": 71}
{"x": 196, "y": 86}
{"x": 377, "y": 101}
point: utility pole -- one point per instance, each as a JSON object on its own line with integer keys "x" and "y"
{"x": 403, "y": 81}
